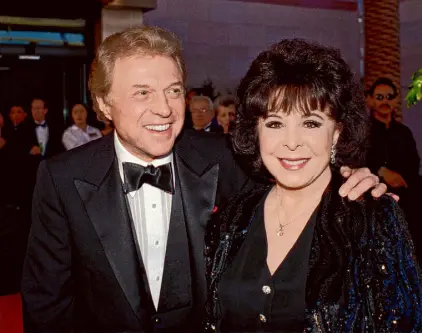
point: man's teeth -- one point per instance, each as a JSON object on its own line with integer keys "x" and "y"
{"x": 158, "y": 128}
{"x": 297, "y": 162}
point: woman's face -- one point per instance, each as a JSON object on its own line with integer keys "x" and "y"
{"x": 226, "y": 114}
{"x": 223, "y": 116}
{"x": 296, "y": 148}
{"x": 79, "y": 115}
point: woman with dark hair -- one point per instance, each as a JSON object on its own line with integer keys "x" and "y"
{"x": 80, "y": 132}
{"x": 294, "y": 256}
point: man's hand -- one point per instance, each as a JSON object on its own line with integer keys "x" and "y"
{"x": 2, "y": 143}
{"x": 359, "y": 181}
{"x": 392, "y": 178}
{"x": 35, "y": 150}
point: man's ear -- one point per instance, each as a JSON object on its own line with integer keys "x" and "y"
{"x": 104, "y": 107}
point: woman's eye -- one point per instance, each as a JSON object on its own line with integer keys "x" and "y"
{"x": 312, "y": 124}
{"x": 274, "y": 124}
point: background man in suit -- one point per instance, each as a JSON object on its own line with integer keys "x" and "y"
{"x": 117, "y": 238}
{"x": 202, "y": 111}
{"x": 48, "y": 137}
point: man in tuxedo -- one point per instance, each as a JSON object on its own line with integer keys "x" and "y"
{"x": 117, "y": 238}
{"x": 48, "y": 137}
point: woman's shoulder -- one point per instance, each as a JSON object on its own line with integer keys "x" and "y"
{"x": 388, "y": 222}
{"x": 93, "y": 129}
{"x": 68, "y": 131}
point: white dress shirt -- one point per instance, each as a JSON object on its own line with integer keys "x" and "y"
{"x": 42, "y": 135}
{"x": 151, "y": 209}
{"x": 74, "y": 136}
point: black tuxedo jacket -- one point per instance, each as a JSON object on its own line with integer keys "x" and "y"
{"x": 54, "y": 144}
{"x": 83, "y": 270}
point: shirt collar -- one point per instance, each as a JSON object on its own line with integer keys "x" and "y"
{"x": 39, "y": 123}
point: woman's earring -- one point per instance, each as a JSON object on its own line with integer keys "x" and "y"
{"x": 333, "y": 154}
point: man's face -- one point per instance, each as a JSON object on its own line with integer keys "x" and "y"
{"x": 146, "y": 104}
{"x": 38, "y": 110}
{"x": 201, "y": 113}
{"x": 17, "y": 115}
{"x": 383, "y": 99}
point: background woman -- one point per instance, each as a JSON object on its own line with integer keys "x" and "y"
{"x": 80, "y": 132}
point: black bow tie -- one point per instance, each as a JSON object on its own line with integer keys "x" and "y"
{"x": 44, "y": 124}
{"x": 136, "y": 175}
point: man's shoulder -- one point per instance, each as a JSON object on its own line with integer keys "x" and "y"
{"x": 79, "y": 158}
{"x": 403, "y": 128}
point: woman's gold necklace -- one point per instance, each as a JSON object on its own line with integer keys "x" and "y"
{"x": 280, "y": 229}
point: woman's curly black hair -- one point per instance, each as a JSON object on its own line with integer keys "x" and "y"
{"x": 305, "y": 76}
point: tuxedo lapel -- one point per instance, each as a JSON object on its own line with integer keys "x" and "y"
{"x": 102, "y": 193}
{"x": 198, "y": 183}
{"x": 176, "y": 288}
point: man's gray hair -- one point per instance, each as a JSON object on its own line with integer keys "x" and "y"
{"x": 203, "y": 98}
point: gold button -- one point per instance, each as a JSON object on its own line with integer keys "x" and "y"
{"x": 262, "y": 318}
{"x": 266, "y": 290}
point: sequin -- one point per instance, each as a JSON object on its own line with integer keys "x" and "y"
{"x": 376, "y": 286}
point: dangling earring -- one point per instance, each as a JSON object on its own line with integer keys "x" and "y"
{"x": 333, "y": 154}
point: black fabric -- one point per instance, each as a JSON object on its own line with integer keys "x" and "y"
{"x": 83, "y": 272}
{"x": 17, "y": 179}
{"x": 54, "y": 145}
{"x": 176, "y": 301}
{"x": 20, "y": 166}
{"x": 395, "y": 148}
{"x": 136, "y": 175}
{"x": 242, "y": 298}
{"x": 362, "y": 275}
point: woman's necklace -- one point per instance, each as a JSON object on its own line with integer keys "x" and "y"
{"x": 280, "y": 229}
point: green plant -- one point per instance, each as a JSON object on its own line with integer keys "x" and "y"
{"x": 415, "y": 89}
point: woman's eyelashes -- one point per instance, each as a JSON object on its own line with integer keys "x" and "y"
{"x": 275, "y": 124}
{"x": 312, "y": 124}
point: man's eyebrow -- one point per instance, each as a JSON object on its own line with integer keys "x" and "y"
{"x": 140, "y": 86}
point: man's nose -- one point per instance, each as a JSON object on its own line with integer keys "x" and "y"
{"x": 162, "y": 107}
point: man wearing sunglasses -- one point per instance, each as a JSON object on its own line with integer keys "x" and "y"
{"x": 393, "y": 154}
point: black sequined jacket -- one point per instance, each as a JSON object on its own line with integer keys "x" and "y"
{"x": 363, "y": 275}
